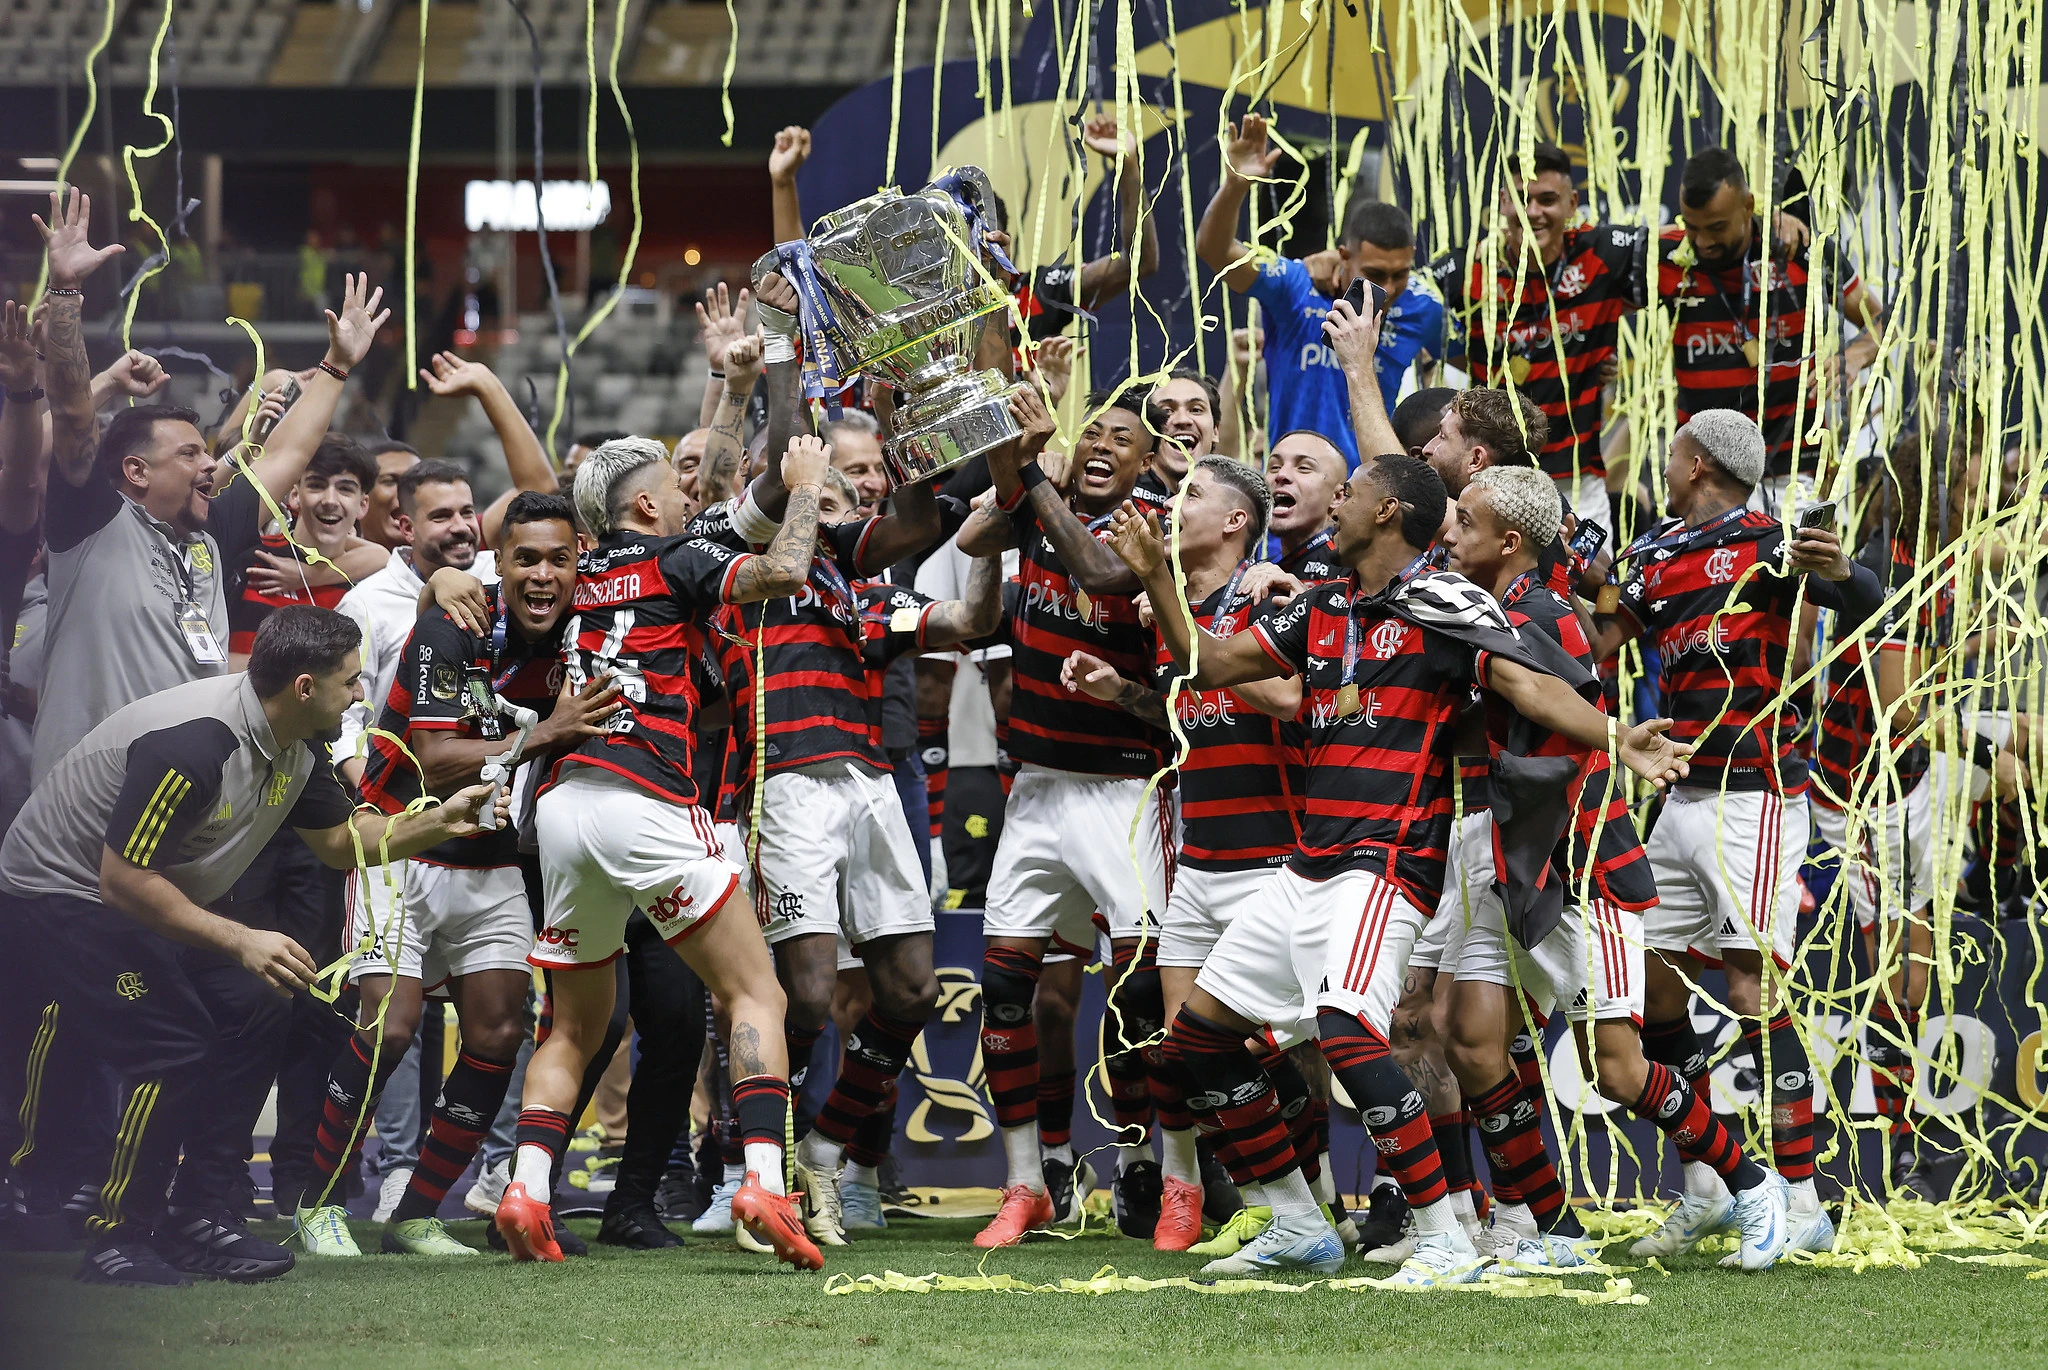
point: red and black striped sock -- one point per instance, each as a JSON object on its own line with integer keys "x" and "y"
{"x": 1297, "y": 1106}
{"x": 1135, "y": 1007}
{"x": 1682, "y": 1114}
{"x": 802, "y": 1044}
{"x": 761, "y": 1104}
{"x": 1891, "y": 1063}
{"x": 931, "y": 740}
{"x": 1674, "y": 1043}
{"x": 469, "y": 1100}
{"x": 547, "y": 1129}
{"x": 1522, "y": 1051}
{"x": 877, "y": 1131}
{"x": 1394, "y": 1112}
{"x": 1791, "y": 1095}
{"x": 1453, "y": 1135}
{"x": 1009, "y": 1037}
{"x": 1511, "y": 1129}
{"x": 876, "y": 1052}
{"x": 351, "y": 1096}
{"x": 1056, "y": 1108}
{"x": 1225, "y": 1088}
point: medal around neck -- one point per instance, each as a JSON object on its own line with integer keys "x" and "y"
{"x": 890, "y": 290}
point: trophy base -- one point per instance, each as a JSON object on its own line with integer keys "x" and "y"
{"x": 949, "y": 424}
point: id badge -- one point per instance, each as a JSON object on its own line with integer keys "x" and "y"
{"x": 199, "y": 638}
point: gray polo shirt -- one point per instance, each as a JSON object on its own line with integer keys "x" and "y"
{"x": 189, "y": 782}
{"x": 117, "y": 577}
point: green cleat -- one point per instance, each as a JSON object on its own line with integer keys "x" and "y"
{"x": 423, "y": 1237}
{"x": 1244, "y": 1225}
{"x": 324, "y": 1231}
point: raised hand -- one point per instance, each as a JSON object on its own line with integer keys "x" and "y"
{"x": 1265, "y": 580}
{"x": 1053, "y": 361}
{"x": 743, "y": 363}
{"x": 1655, "y": 757}
{"x": 1246, "y": 343}
{"x": 17, "y": 349}
{"x": 72, "y": 259}
{"x": 779, "y": 295}
{"x": 137, "y": 374}
{"x": 1137, "y": 539}
{"x": 448, "y": 374}
{"x": 805, "y": 461}
{"x": 350, "y": 333}
{"x": 1246, "y": 155}
{"x": 1033, "y": 418}
{"x": 723, "y": 323}
{"x": 792, "y": 149}
{"x": 1352, "y": 336}
{"x": 1100, "y": 134}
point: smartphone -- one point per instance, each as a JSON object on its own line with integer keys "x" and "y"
{"x": 1361, "y": 290}
{"x": 263, "y": 426}
{"x": 1821, "y": 516}
{"x": 1587, "y": 542}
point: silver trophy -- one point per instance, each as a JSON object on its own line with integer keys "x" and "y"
{"x": 896, "y": 295}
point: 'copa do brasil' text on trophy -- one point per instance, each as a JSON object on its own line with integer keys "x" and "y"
{"x": 890, "y": 289}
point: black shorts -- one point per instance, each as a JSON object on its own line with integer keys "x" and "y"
{"x": 121, "y": 988}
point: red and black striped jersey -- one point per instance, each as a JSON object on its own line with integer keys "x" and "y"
{"x": 1242, "y": 782}
{"x": 1314, "y": 561}
{"x": 247, "y": 610}
{"x": 1848, "y": 722}
{"x": 1718, "y": 608}
{"x": 1378, "y": 792}
{"x": 1600, "y": 818}
{"x": 440, "y": 686}
{"x": 1716, "y": 312}
{"x": 1549, "y": 330}
{"x": 641, "y": 610}
{"x": 1053, "y": 618}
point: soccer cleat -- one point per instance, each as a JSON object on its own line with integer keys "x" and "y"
{"x": 821, "y": 1204}
{"x": 1763, "y": 1217}
{"x": 482, "y": 1198}
{"x": 1344, "y": 1223}
{"x": 860, "y": 1207}
{"x": 423, "y": 1237}
{"x": 217, "y": 1246}
{"x": 527, "y": 1225}
{"x": 1068, "y": 1186}
{"x": 128, "y": 1260}
{"x": 568, "y": 1241}
{"x": 1393, "y": 1253}
{"x": 1134, "y": 1199}
{"x": 1023, "y": 1210}
{"x": 389, "y": 1191}
{"x": 1180, "y": 1216}
{"x": 1511, "y": 1224}
{"x": 1547, "y": 1251}
{"x": 1296, "y": 1241}
{"x": 324, "y": 1231}
{"x": 772, "y": 1218}
{"x": 1690, "y": 1219}
{"x": 1440, "y": 1258}
{"x": 1386, "y": 1221}
{"x": 1242, "y": 1226}
{"x": 717, "y": 1219}
{"x": 1220, "y": 1199}
{"x": 636, "y": 1226}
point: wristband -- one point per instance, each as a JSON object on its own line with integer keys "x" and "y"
{"x": 774, "y": 321}
{"x": 1984, "y": 753}
{"x": 25, "y": 396}
{"x": 716, "y": 374}
{"x": 63, "y": 290}
{"x": 331, "y": 369}
{"x": 777, "y": 347}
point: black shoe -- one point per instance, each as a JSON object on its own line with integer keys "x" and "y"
{"x": 79, "y": 1208}
{"x": 677, "y": 1199}
{"x": 128, "y": 1260}
{"x": 571, "y": 1244}
{"x": 1385, "y": 1222}
{"x": 1134, "y": 1198}
{"x": 1220, "y": 1199}
{"x": 709, "y": 1165}
{"x": 1066, "y": 1196}
{"x": 217, "y": 1246}
{"x": 889, "y": 1183}
{"x": 634, "y": 1225}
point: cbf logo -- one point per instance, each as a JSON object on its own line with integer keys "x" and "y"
{"x": 1721, "y": 565}
{"x": 1387, "y": 639}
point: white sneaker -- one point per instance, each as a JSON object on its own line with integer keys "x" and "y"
{"x": 389, "y": 1192}
{"x": 821, "y": 1214}
{"x": 1763, "y": 1215}
{"x": 717, "y": 1220}
{"x": 1394, "y": 1253}
{"x": 860, "y": 1207}
{"x": 1292, "y": 1241}
{"x": 1812, "y": 1228}
{"x": 483, "y": 1196}
{"x": 1691, "y": 1219}
{"x": 1549, "y": 1251}
{"x": 1511, "y": 1224}
{"x": 1440, "y": 1258}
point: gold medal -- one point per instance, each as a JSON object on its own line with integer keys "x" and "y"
{"x": 1084, "y": 602}
{"x": 1608, "y": 600}
{"x": 1751, "y": 350}
{"x": 903, "y": 621}
{"x": 1518, "y": 368}
{"x": 1347, "y": 700}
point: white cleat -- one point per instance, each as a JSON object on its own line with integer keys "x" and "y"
{"x": 1394, "y": 1253}
{"x": 1511, "y": 1223}
{"x": 717, "y": 1220}
{"x": 821, "y": 1214}
{"x": 1441, "y": 1258}
{"x": 1692, "y": 1218}
{"x": 860, "y": 1207}
{"x": 1294, "y": 1241}
{"x": 1812, "y": 1228}
{"x": 389, "y": 1192}
{"x": 1549, "y": 1251}
{"x": 1763, "y": 1216}
{"x": 482, "y": 1198}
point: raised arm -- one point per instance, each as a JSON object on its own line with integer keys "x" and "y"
{"x": 1136, "y": 539}
{"x": 298, "y": 434}
{"x": 134, "y": 375}
{"x": 1136, "y": 253}
{"x": 792, "y": 149}
{"x": 1097, "y": 569}
{"x": 526, "y": 461}
{"x": 1245, "y": 157}
{"x": 1834, "y": 580}
{"x": 718, "y": 477}
{"x": 785, "y": 567}
{"x": 977, "y": 613}
{"x": 988, "y": 531}
{"x": 66, "y": 372}
{"x": 1550, "y": 703}
{"x": 720, "y": 324}
{"x": 24, "y": 459}
{"x": 397, "y": 836}
{"x": 788, "y": 416}
{"x": 1355, "y": 341}
{"x": 911, "y": 526}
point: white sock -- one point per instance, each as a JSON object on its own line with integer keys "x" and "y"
{"x": 1128, "y": 1154}
{"x": 735, "y": 1174}
{"x": 1177, "y": 1155}
{"x": 764, "y": 1159}
{"x": 1702, "y": 1181}
{"x": 1515, "y": 1218}
{"x": 1253, "y": 1195}
{"x": 856, "y": 1173}
{"x": 818, "y": 1153}
{"x": 534, "y": 1167}
{"x": 1289, "y": 1194}
{"x": 1063, "y": 1153}
{"x": 1324, "y": 1185}
{"x": 1441, "y": 1216}
{"x": 1467, "y": 1210}
{"x": 1020, "y": 1148}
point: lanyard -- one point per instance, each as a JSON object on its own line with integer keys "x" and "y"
{"x": 1741, "y": 317}
{"x": 1682, "y": 535}
{"x": 1225, "y": 623}
{"x": 1408, "y": 573}
{"x": 830, "y": 579}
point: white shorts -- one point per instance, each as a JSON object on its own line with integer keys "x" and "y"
{"x": 606, "y": 846}
{"x": 1065, "y": 853}
{"x": 1727, "y": 872}
{"x": 1901, "y": 880}
{"x": 835, "y": 857}
{"x": 1201, "y": 906}
{"x": 1442, "y": 943}
{"x": 1304, "y": 945}
{"x": 455, "y": 921}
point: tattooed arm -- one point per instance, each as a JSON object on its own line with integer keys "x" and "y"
{"x": 977, "y": 613}
{"x": 1090, "y": 675}
{"x": 788, "y": 416}
{"x": 718, "y": 477}
{"x": 786, "y": 565}
{"x": 67, "y": 374}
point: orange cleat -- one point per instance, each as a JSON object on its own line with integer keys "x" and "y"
{"x": 772, "y": 1218}
{"x": 1180, "y": 1216}
{"x": 1024, "y": 1210}
{"x": 527, "y": 1225}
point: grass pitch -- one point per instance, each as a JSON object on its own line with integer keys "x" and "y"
{"x": 712, "y": 1303}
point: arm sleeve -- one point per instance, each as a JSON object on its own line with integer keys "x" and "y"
{"x": 1857, "y": 599}
{"x": 1284, "y": 636}
{"x": 1279, "y": 285}
{"x": 700, "y": 572}
{"x": 431, "y": 672}
{"x": 73, "y": 513}
{"x": 235, "y": 518}
{"x": 172, "y": 780}
{"x": 322, "y": 804}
